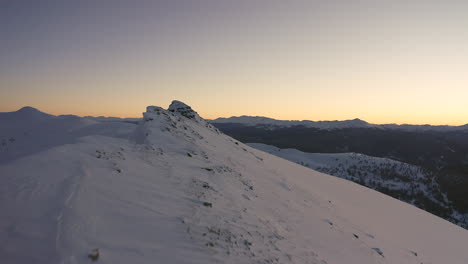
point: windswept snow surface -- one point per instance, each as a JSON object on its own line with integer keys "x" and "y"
{"x": 173, "y": 189}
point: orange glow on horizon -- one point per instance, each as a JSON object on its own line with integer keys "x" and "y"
{"x": 382, "y": 62}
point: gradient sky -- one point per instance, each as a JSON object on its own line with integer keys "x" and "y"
{"x": 382, "y": 61}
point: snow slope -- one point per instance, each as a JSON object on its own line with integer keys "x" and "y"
{"x": 173, "y": 189}
{"x": 406, "y": 182}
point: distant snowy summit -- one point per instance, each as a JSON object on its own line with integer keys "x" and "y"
{"x": 26, "y": 113}
{"x": 327, "y": 125}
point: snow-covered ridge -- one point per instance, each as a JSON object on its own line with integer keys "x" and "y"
{"x": 355, "y": 123}
{"x": 173, "y": 189}
{"x": 406, "y": 182}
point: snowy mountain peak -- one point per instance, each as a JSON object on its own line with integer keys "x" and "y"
{"x": 154, "y": 109}
{"x": 28, "y": 109}
{"x": 174, "y": 114}
{"x": 356, "y": 123}
{"x": 24, "y": 115}
{"x": 183, "y": 109}
{"x": 357, "y": 120}
{"x": 176, "y": 125}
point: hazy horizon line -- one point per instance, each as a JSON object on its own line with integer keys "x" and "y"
{"x": 244, "y": 115}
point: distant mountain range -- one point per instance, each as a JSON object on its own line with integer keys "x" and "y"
{"x": 354, "y": 123}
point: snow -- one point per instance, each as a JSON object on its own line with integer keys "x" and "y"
{"x": 173, "y": 189}
{"x": 183, "y": 109}
{"x": 410, "y": 181}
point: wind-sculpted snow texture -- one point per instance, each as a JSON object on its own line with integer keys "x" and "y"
{"x": 173, "y": 189}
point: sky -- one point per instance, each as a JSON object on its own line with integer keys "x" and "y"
{"x": 381, "y": 61}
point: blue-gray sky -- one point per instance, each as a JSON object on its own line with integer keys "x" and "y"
{"x": 383, "y": 61}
